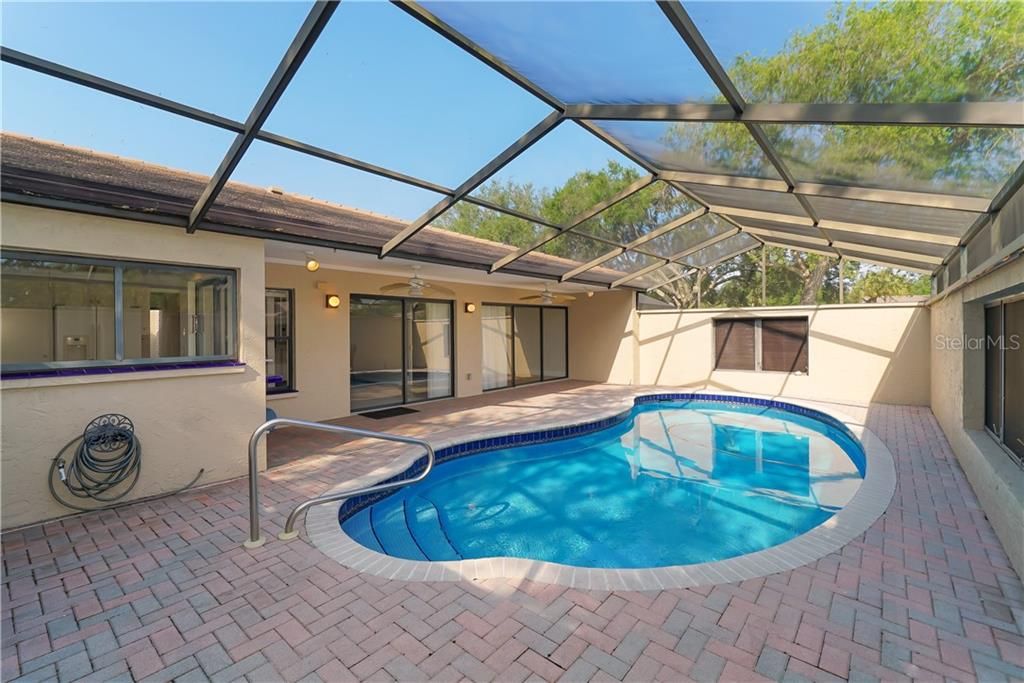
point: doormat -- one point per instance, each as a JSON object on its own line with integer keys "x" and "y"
{"x": 388, "y": 412}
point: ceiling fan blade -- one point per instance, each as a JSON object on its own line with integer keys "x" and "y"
{"x": 566, "y": 297}
{"x": 438, "y": 289}
{"x": 531, "y": 298}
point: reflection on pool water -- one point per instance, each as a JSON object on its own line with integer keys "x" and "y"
{"x": 676, "y": 483}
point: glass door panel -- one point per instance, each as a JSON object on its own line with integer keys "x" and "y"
{"x": 555, "y": 361}
{"x": 428, "y": 350}
{"x": 375, "y": 347}
{"x": 497, "y": 346}
{"x": 527, "y": 344}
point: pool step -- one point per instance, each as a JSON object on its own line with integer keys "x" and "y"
{"x": 358, "y": 527}
{"x": 424, "y": 522}
{"x": 387, "y": 517}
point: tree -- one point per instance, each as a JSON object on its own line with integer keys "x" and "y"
{"x": 879, "y": 285}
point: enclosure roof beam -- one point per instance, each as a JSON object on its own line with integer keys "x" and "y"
{"x": 303, "y": 42}
{"x": 868, "y": 194}
{"x": 974, "y": 114}
{"x": 590, "y": 213}
{"x": 661, "y": 263}
{"x": 764, "y": 233}
{"x": 542, "y": 128}
{"x": 801, "y": 247}
{"x": 66, "y": 73}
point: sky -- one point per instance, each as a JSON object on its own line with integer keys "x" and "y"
{"x": 378, "y": 86}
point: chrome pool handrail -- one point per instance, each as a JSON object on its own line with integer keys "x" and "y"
{"x": 255, "y": 539}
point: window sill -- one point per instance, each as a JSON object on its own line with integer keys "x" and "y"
{"x": 279, "y": 395}
{"x": 123, "y": 375}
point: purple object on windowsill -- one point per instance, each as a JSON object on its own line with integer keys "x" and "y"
{"x": 275, "y": 380}
{"x": 116, "y": 369}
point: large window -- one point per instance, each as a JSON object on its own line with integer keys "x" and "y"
{"x": 401, "y": 351}
{"x": 769, "y": 344}
{"x": 280, "y": 341}
{"x": 1004, "y": 375}
{"x": 523, "y": 344}
{"x": 65, "y": 312}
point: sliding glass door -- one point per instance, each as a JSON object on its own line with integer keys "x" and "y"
{"x": 401, "y": 351}
{"x": 523, "y": 344}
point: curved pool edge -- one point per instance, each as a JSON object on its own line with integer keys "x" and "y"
{"x": 856, "y": 517}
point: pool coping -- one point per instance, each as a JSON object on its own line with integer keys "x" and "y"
{"x": 856, "y": 517}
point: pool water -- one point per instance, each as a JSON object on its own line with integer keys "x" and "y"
{"x": 675, "y": 483}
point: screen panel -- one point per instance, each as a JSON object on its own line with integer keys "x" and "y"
{"x": 639, "y": 214}
{"x": 377, "y": 86}
{"x": 922, "y": 218}
{"x": 745, "y": 198}
{"x": 850, "y": 52}
{"x": 596, "y": 52}
{"x": 687, "y": 236}
{"x": 720, "y": 148}
{"x": 718, "y": 250}
{"x": 165, "y": 48}
{"x": 945, "y": 160}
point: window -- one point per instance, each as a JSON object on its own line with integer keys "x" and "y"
{"x": 523, "y": 344}
{"x": 734, "y": 345}
{"x": 65, "y": 312}
{"x": 1004, "y": 359}
{"x": 764, "y": 344}
{"x": 784, "y": 344}
{"x": 280, "y": 341}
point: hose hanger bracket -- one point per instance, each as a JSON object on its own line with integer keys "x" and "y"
{"x": 104, "y": 464}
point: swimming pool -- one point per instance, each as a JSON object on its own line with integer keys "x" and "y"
{"x": 668, "y": 483}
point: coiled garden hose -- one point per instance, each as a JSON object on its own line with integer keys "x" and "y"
{"x": 105, "y": 466}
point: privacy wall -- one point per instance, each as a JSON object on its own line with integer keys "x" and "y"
{"x": 855, "y": 353}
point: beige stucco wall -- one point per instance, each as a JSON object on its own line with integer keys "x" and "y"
{"x": 601, "y": 338}
{"x": 186, "y": 419}
{"x": 322, "y": 335}
{"x": 957, "y": 400}
{"x": 856, "y": 353}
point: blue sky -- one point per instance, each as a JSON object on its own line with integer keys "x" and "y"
{"x": 378, "y": 86}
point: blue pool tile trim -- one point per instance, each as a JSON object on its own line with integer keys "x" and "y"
{"x": 353, "y": 505}
{"x": 117, "y": 369}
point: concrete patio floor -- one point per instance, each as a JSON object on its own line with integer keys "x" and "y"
{"x": 163, "y": 590}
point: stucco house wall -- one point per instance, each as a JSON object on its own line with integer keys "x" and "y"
{"x": 186, "y": 419}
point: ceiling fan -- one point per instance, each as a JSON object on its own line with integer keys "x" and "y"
{"x": 416, "y": 286}
{"x": 548, "y": 297}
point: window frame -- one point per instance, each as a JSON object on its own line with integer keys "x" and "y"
{"x": 513, "y": 384}
{"x": 289, "y": 386}
{"x": 758, "y": 341}
{"x": 1000, "y": 437}
{"x": 119, "y": 266}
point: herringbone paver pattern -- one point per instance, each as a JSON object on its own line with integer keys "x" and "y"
{"x": 162, "y": 590}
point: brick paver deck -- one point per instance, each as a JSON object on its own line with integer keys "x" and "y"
{"x": 163, "y": 590}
